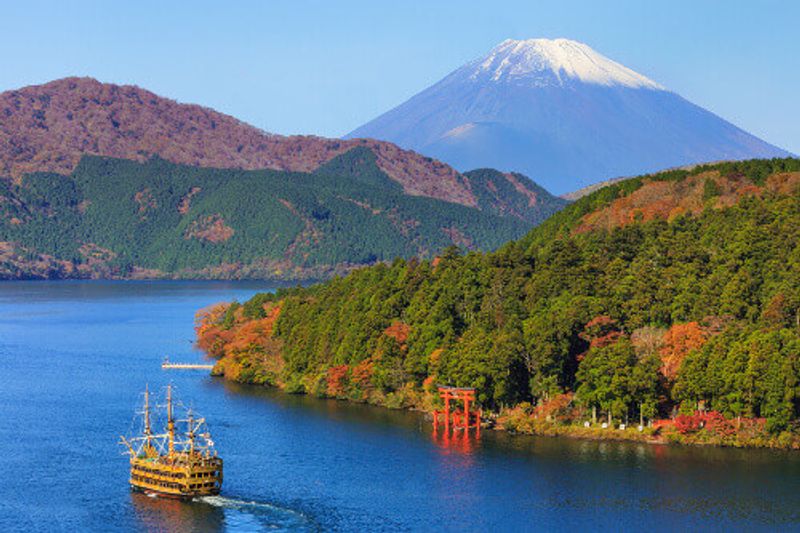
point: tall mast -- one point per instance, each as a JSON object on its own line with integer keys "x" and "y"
{"x": 191, "y": 433}
{"x": 170, "y": 421}
{"x": 147, "y": 430}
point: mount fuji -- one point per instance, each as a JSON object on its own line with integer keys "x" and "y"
{"x": 562, "y": 114}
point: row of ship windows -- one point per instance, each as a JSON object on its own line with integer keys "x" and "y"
{"x": 205, "y": 474}
{"x": 173, "y": 475}
{"x": 203, "y": 485}
{"x": 163, "y": 484}
{"x": 167, "y": 484}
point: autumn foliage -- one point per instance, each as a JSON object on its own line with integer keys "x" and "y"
{"x": 606, "y": 334}
{"x": 558, "y": 407}
{"x": 601, "y": 331}
{"x": 210, "y": 337}
{"x": 398, "y": 331}
{"x": 667, "y": 199}
{"x": 211, "y": 228}
{"x": 224, "y": 333}
{"x": 336, "y": 379}
{"x": 713, "y": 422}
{"x": 361, "y": 378}
{"x": 678, "y": 341}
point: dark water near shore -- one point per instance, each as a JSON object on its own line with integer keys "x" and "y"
{"x": 75, "y": 356}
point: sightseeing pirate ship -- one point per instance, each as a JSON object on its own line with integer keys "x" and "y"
{"x": 179, "y": 462}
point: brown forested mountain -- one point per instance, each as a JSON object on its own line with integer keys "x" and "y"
{"x": 78, "y": 156}
{"x": 49, "y": 127}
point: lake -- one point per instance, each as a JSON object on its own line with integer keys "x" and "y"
{"x": 77, "y": 355}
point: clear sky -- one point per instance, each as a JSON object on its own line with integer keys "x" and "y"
{"x": 325, "y": 67}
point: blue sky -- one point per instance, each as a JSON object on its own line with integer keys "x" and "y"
{"x": 326, "y": 67}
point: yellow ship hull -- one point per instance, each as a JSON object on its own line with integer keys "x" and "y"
{"x": 177, "y": 477}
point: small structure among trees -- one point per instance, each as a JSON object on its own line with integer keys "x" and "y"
{"x": 455, "y": 416}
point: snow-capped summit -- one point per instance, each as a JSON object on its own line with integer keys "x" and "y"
{"x": 561, "y": 113}
{"x": 549, "y": 61}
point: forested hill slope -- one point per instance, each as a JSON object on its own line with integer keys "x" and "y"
{"x": 119, "y": 218}
{"x": 678, "y": 290}
{"x": 50, "y": 127}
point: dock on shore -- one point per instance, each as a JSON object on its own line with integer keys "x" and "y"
{"x": 167, "y": 365}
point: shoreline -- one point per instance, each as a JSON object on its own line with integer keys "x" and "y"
{"x": 664, "y": 435}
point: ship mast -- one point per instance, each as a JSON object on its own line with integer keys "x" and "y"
{"x": 170, "y": 421}
{"x": 147, "y": 432}
{"x": 191, "y": 433}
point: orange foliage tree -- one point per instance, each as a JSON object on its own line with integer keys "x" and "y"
{"x": 211, "y": 337}
{"x": 361, "y": 379}
{"x": 558, "y": 407}
{"x": 601, "y": 331}
{"x": 336, "y": 380}
{"x": 679, "y": 340}
{"x": 398, "y": 331}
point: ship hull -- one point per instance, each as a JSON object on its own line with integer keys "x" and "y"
{"x": 171, "y": 496}
{"x": 180, "y": 476}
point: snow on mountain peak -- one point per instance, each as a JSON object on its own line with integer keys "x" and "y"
{"x": 554, "y": 61}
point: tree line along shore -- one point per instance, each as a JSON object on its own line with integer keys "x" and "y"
{"x": 669, "y": 301}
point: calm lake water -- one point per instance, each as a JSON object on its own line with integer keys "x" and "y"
{"x": 76, "y": 355}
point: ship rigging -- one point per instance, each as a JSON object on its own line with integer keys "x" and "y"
{"x": 178, "y": 462}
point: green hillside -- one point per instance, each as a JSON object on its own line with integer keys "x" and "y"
{"x": 659, "y": 295}
{"x": 120, "y": 218}
{"x": 512, "y": 194}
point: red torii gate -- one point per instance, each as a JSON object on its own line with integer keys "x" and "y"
{"x": 459, "y": 419}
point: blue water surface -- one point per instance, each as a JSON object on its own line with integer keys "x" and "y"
{"x": 76, "y": 355}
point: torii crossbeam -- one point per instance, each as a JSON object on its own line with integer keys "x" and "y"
{"x": 454, "y": 417}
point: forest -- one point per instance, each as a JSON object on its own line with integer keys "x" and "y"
{"x": 673, "y": 296}
{"x": 114, "y": 218}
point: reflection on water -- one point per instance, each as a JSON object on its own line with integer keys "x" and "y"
{"x": 459, "y": 441}
{"x": 214, "y": 513}
{"x": 163, "y": 514}
{"x": 568, "y": 481}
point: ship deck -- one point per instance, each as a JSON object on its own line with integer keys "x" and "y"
{"x": 178, "y": 476}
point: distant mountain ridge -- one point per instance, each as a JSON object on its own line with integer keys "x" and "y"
{"x": 114, "y": 181}
{"x": 562, "y": 114}
{"x": 50, "y": 127}
{"x": 115, "y": 218}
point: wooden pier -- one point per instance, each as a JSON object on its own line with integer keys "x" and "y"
{"x": 167, "y": 365}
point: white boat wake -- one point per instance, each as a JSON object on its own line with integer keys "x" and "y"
{"x": 247, "y": 514}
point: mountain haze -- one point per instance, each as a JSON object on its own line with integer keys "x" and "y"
{"x": 561, "y": 113}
